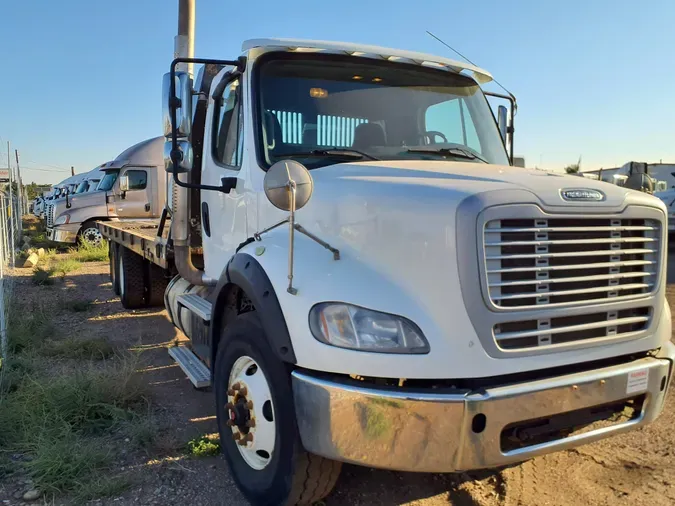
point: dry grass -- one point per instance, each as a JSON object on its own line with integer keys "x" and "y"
{"x": 68, "y": 422}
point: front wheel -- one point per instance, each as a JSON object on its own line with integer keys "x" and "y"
{"x": 90, "y": 234}
{"x": 256, "y": 421}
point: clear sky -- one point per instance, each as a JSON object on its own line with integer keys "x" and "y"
{"x": 80, "y": 80}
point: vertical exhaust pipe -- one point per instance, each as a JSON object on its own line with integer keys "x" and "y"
{"x": 184, "y": 47}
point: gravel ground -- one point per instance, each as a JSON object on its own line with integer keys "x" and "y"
{"x": 633, "y": 469}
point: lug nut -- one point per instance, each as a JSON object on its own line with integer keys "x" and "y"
{"x": 249, "y": 405}
{"x": 236, "y": 386}
{"x": 230, "y": 392}
{"x": 229, "y": 405}
{"x": 248, "y": 438}
{"x": 230, "y": 423}
{"x": 243, "y": 391}
{"x": 236, "y": 436}
{"x": 250, "y": 423}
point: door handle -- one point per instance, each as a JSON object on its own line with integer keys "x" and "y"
{"x": 228, "y": 184}
{"x": 147, "y": 208}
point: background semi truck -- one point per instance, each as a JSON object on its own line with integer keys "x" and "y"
{"x": 133, "y": 186}
{"x": 364, "y": 276}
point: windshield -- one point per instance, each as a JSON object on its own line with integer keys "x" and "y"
{"x": 332, "y": 110}
{"x": 93, "y": 184}
{"x": 82, "y": 187}
{"x": 108, "y": 180}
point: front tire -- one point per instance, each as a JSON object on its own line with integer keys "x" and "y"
{"x": 90, "y": 234}
{"x": 254, "y": 406}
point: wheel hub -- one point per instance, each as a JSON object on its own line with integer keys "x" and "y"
{"x": 240, "y": 414}
{"x": 250, "y": 412}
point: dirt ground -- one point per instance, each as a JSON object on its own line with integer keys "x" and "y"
{"x": 633, "y": 469}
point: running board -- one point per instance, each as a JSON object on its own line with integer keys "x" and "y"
{"x": 196, "y": 304}
{"x": 198, "y": 374}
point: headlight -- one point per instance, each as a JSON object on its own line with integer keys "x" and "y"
{"x": 356, "y": 328}
{"x": 62, "y": 220}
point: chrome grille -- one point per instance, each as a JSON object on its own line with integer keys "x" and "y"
{"x": 551, "y": 331}
{"x": 51, "y": 209}
{"x": 548, "y": 262}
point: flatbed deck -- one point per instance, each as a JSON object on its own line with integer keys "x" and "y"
{"x": 141, "y": 237}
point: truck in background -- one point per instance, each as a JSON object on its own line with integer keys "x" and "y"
{"x": 361, "y": 287}
{"x": 133, "y": 186}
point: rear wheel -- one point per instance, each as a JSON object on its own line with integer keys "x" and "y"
{"x": 157, "y": 283}
{"x": 90, "y": 234}
{"x": 256, "y": 421}
{"x": 114, "y": 262}
{"x": 130, "y": 278}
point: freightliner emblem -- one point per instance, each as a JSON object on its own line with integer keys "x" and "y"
{"x": 582, "y": 195}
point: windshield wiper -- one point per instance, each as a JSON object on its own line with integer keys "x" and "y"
{"x": 339, "y": 152}
{"x": 456, "y": 152}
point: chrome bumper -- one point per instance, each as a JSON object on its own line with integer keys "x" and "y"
{"x": 432, "y": 432}
{"x": 60, "y": 235}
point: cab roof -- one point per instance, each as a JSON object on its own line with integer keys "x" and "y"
{"x": 366, "y": 51}
{"x": 148, "y": 153}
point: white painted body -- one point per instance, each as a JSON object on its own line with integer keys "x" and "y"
{"x": 395, "y": 226}
{"x": 668, "y": 198}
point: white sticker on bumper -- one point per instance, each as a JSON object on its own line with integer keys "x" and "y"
{"x": 637, "y": 381}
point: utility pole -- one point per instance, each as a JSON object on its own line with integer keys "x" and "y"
{"x": 72, "y": 170}
{"x": 22, "y": 192}
{"x": 184, "y": 43}
{"x": 11, "y": 205}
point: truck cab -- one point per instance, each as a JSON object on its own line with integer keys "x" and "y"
{"x": 130, "y": 187}
{"x": 366, "y": 277}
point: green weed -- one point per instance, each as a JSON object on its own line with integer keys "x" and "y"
{"x": 43, "y": 277}
{"x": 86, "y": 252}
{"x": 205, "y": 446}
{"x": 66, "y": 265}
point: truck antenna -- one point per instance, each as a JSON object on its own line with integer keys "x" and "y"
{"x": 472, "y": 63}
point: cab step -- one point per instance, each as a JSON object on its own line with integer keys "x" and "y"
{"x": 198, "y": 374}
{"x": 196, "y": 304}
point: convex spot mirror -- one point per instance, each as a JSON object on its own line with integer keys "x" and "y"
{"x": 278, "y": 182}
{"x": 185, "y": 156}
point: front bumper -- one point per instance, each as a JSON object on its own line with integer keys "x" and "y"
{"x": 440, "y": 432}
{"x": 63, "y": 233}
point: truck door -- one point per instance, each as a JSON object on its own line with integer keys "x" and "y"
{"x": 136, "y": 201}
{"x": 224, "y": 214}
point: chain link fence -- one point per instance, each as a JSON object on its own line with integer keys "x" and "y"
{"x": 10, "y": 235}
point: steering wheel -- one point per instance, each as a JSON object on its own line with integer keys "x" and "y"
{"x": 430, "y": 135}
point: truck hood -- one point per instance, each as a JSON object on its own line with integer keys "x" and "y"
{"x": 409, "y": 245}
{"x": 79, "y": 201}
{"x": 462, "y": 179}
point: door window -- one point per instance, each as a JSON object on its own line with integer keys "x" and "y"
{"x": 138, "y": 179}
{"x": 228, "y": 139}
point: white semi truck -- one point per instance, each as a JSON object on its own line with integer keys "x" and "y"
{"x": 140, "y": 167}
{"x": 364, "y": 276}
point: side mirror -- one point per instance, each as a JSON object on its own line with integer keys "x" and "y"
{"x": 502, "y": 121}
{"x": 186, "y": 157}
{"x": 519, "y": 161}
{"x": 181, "y": 101}
{"x": 124, "y": 186}
{"x": 288, "y": 185}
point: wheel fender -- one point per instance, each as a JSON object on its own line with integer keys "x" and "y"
{"x": 246, "y": 272}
